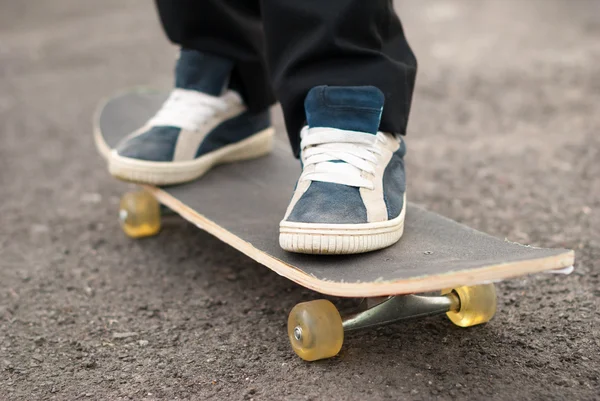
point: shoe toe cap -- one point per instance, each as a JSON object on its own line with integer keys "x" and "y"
{"x": 328, "y": 203}
{"x": 156, "y": 144}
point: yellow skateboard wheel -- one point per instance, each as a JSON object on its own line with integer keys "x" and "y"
{"x": 477, "y": 305}
{"x": 139, "y": 214}
{"x": 315, "y": 330}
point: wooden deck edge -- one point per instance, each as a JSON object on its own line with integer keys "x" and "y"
{"x": 413, "y": 285}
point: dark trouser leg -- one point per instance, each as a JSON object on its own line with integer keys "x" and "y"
{"x": 341, "y": 43}
{"x": 310, "y": 43}
{"x": 230, "y": 29}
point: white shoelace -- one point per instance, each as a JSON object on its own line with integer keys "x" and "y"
{"x": 190, "y": 109}
{"x": 326, "y": 147}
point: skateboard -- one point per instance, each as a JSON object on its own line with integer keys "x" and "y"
{"x": 242, "y": 204}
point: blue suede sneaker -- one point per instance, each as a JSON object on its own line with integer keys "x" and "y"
{"x": 350, "y": 197}
{"x": 200, "y": 125}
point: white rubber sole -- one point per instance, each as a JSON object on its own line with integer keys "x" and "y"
{"x": 340, "y": 239}
{"x": 167, "y": 173}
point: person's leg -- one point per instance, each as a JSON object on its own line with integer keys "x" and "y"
{"x": 205, "y": 121}
{"x": 230, "y": 29}
{"x": 338, "y": 43}
{"x": 344, "y": 69}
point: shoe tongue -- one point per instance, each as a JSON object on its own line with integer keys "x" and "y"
{"x": 353, "y": 108}
{"x": 202, "y": 72}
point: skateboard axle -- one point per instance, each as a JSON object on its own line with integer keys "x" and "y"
{"x": 401, "y": 307}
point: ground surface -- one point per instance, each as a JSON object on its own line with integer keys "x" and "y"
{"x": 503, "y": 136}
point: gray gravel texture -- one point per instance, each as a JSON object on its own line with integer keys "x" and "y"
{"x": 504, "y": 136}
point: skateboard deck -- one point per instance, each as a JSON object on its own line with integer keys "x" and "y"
{"x": 242, "y": 205}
